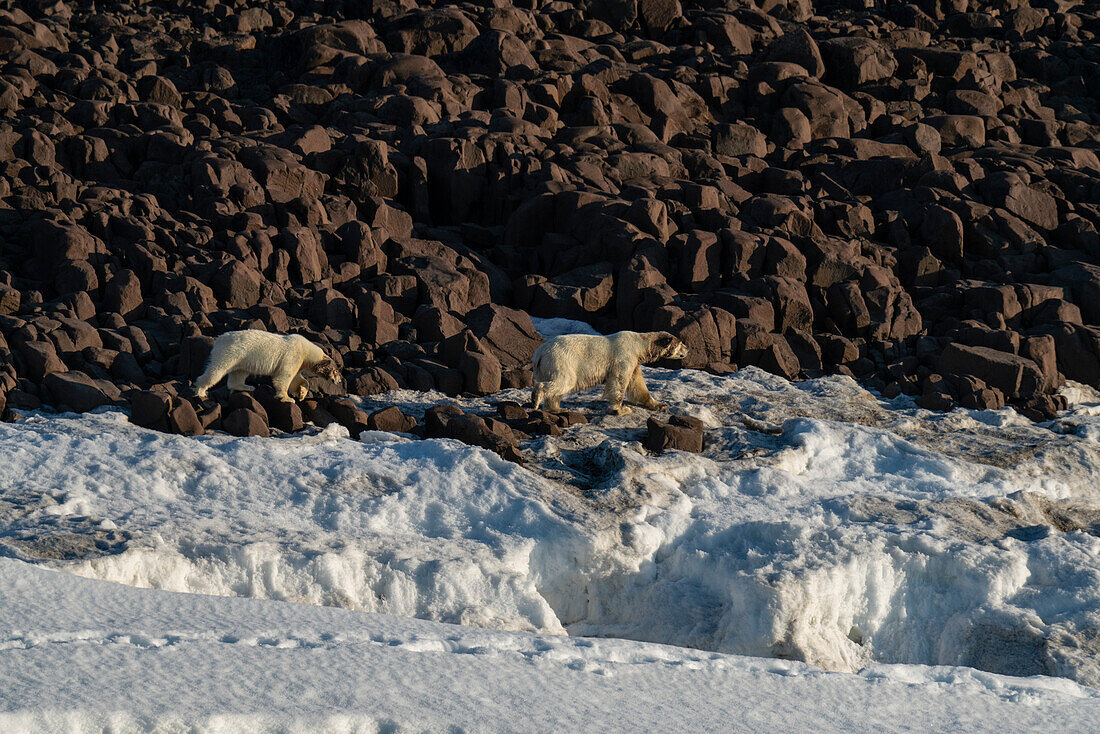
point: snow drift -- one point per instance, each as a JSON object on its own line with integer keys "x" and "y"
{"x": 821, "y": 524}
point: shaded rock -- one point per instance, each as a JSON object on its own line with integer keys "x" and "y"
{"x": 41, "y": 359}
{"x": 286, "y": 417}
{"x": 391, "y": 419}
{"x": 350, "y": 415}
{"x": 437, "y": 418}
{"x": 79, "y": 392}
{"x": 481, "y": 373}
{"x": 682, "y": 433}
{"x": 1013, "y": 375}
{"x": 183, "y": 420}
{"x": 852, "y": 61}
{"x": 149, "y": 409}
{"x": 244, "y": 422}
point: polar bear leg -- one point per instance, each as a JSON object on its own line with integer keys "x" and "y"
{"x": 236, "y": 381}
{"x": 549, "y": 394}
{"x": 637, "y": 393}
{"x": 207, "y": 380}
{"x": 298, "y": 388}
{"x": 614, "y": 390}
{"x": 283, "y": 379}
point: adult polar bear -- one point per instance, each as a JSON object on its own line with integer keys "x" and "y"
{"x": 572, "y": 362}
{"x": 254, "y": 352}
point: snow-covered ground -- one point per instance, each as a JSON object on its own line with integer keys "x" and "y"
{"x": 78, "y": 655}
{"x": 821, "y": 524}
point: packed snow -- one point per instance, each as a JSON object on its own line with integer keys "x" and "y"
{"x": 822, "y": 523}
{"x": 78, "y": 655}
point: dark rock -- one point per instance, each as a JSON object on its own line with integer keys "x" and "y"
{"x": 476, "y": 431}
{"x": 372, "y": 382}
{"x": 481, "y": 373}
{"x": 1015, "y": 376}
{"x": 798, "y": 47}
{"x": 150, "y": 409}
{"x": 680, "y": 432}
{"x": 316, "y": 413}
{"x": 436, "y": 419}
{"x": 350, "y": 415}
{"x": 391, "y": 419}
{"x": 510, "y": 411}
{"x": 184, "y": 420}
{"x": 237, "y": 285}
{"x": 243, "y": 422}
{"x": 76, "y": 391}
{"x": 287, "y": 417}
{"x": 123, "y": 295}
{"x": 1042, "y": 407}
{"x": 852, "y": 61}
{"x": 41, "y": 359}
{"x": 245, "y": 401}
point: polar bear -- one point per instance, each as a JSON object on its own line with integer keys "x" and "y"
{"x": 254, "y": 352}
{"x": 574, "y": 362}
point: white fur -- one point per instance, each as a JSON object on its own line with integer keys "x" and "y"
{"x": 239, "y": 354}
{"x": 574, "y": 362}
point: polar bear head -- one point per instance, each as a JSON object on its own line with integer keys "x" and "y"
{"x": 327, "y": 369}
{"x": 666, "y": 346}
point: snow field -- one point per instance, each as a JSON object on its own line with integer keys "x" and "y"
{"x": 81, "y": 655}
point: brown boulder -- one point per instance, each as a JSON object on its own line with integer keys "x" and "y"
{"x": 481, "y": 373}
{"x": 287, "y": 417}
{"x": 149, "y": 409}
{"x": 681, "y": 432}
{"x": 349, "y": 415}
{"x": 851, "y": 61}
{"x": 41, "y": 359}
{"x": 10, "y": 299}
{"x": 237, "y": 285}
{"x": 1015, "y": 376}
{"x": 508, "y": 333}
{"x": 79, "y": 392}
{"x": 184, "y": 420}
{"x": 243, "y": 422}
{"x": 391, "y": 419}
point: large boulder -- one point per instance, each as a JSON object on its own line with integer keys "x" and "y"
{"x": 1013, "y": 375}
{"x": 508, "y": 333}
{"x": 681, "y": 432}
{"x": 77, "y": 391}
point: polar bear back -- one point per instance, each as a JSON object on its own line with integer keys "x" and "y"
{"x": 261, "y": 353}
{"x": 581, "y": 361}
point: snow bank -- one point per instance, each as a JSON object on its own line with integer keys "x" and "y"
{"x": 821, "y": 523}
{"x": 430, "y": 529}
{"x": 86, "y": 656}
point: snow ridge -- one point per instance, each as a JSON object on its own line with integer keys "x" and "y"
{"x": 821, "y": 524}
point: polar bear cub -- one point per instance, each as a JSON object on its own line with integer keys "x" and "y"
{"x": 253, "y": 352}
{"x": 574, "y": 362}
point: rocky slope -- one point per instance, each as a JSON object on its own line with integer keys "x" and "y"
{"x": 906, "y": 193}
